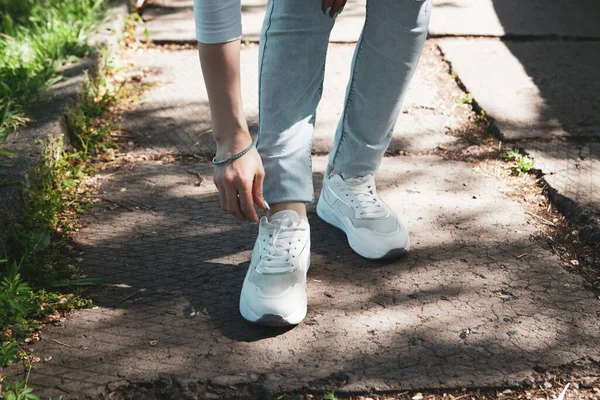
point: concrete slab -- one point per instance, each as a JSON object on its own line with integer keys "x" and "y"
{"x": 515, "y": 18}
{"x": 476, "y": 303}
{"x": 173, "y": 21}
{"x": 572, "y": 171}
{"x": 175, "y": 115}
{"x": 532, "y": 89}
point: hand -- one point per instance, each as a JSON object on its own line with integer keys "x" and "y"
{"x": 336, "y": 5}
{"x": 240, "y": 181}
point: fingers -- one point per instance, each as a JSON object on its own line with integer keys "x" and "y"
{"x": 238, "y": 200}
{"x": 337, "y": 7}
{"x": 222, "y": 196}
{"x": 246, "y": 204}
{"x": 332, "y": 7}
{"x": 257, "y": 190}
{"x": 233, "y": 205}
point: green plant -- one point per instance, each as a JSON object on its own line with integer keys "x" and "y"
{"x": 330, "y": 396}
{"x": 481, "y": 117}
{"x": 14, "y": 301}
{"x": 467, "y": 98}
{"x": 37, "y": 37}
{"x": 19, "y": 391}
{"x": 520, "y": 163}
{"x": 9, "y": 352}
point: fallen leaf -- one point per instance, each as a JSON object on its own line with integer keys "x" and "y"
{"x": 153, "y": 342}
{"x": 418, "y": 396}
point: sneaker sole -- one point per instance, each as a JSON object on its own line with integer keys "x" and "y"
{"x": 273, "y": 319}
{"x": 329, "y": 215}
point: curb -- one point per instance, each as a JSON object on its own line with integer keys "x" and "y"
{"x": 49, "y": 120}
{"x": 590, "y": 225}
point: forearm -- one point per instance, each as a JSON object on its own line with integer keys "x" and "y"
{"x": 221, "y": 69}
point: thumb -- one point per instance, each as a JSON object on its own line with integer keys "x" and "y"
{"x": 257, "y": 191}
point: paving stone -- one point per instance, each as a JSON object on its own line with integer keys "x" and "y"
{"x": 173, "y": 21}
{"x": 514, "y": 17}
{"x": 572, "y": 170}
{"x": 437, "y": 318}
{"x": 175, "y": 117}
{"x": 532, "y": 89}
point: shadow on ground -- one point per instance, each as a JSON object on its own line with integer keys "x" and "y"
{"x": 476, "y": 302}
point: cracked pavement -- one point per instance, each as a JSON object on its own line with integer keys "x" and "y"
{"x": 477, "y": 302}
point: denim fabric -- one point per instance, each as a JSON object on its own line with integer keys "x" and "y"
{"x": 292, "y": 55}
{"x": 217, "y": 21}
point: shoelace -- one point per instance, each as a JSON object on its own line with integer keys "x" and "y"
{"x": 363, "y": 189}
{"x": 277, "y": 244}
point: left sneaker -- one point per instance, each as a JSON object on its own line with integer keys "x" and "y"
{"x": 353, "y": 205}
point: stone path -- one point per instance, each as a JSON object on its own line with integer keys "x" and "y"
{"x": 476, "y": 303}
{"x": 533, "y": 81}
{"x": 175, "y": 118}
{"x": 173, "y": 21}
{"x": 529, "y": 65}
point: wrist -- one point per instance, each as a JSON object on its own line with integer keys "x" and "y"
{"x": 217, "y": 161}
{"x": 232, "y": 144}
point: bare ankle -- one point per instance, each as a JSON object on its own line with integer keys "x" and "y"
{"x": 299, "y": 207}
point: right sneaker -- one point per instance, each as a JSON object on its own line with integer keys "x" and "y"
{"x": 353, "y": 205}
{"x": 274, "y": 290}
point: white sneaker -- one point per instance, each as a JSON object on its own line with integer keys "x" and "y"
{"x": 353, "y": 205}
{"x": 274, "y": 290}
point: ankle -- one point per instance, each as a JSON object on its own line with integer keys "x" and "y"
{"x": 298, "y": 207}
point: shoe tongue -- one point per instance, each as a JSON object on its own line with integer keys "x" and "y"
{"x": 294, "y": 218}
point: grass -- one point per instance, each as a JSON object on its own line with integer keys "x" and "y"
{"x": 521, "y": 164}
{"x": 37, "y": 37}
{"x": 36, "y": 261}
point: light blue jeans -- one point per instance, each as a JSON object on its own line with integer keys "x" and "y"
{"x": 293, "y": 48}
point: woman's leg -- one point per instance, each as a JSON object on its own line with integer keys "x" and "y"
{"x": 293, "y": 49}
{"x": 384, "y": 62}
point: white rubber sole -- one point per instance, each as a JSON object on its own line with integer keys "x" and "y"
{"x": 273, "y": 319}
{"x": 335, "y": 218}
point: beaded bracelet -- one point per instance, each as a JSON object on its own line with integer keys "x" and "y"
{"x": 233, "y": 157}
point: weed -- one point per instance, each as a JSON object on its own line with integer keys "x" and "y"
{"x": 467, "y": 98}
{"x": 330, "y": 396}
{"x": 19, "y": 391}
{"x": 53, "y": 196}
{"x": 481, "y": 117}
{"x": 520, "y": 163}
